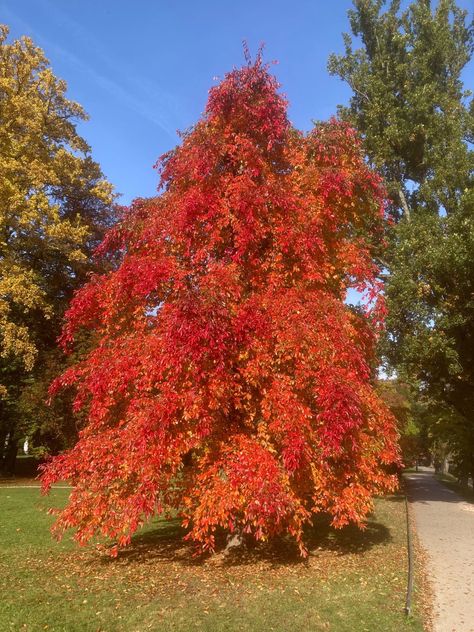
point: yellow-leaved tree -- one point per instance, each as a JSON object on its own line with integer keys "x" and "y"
{"x": 54, "y": 206}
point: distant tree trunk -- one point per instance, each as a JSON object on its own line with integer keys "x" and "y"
{"x": 444, "y": 466}
{"x": 3, "y": 438}
{"x": 9, "y": 456}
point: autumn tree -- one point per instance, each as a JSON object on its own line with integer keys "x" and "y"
{"x": 416, "y": 119}
{"x": 54, "y": 207}
{"x": 229, "y": 381}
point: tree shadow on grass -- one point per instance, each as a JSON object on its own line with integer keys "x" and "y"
{"x": 466, "y": 493}
{"x": 425, "y": 487}
{"x": 164, "y": 541}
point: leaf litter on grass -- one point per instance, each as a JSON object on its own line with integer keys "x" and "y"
{"x": 158, "y": 573}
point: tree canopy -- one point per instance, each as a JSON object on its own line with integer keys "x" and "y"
{"x": 54, "y": 207}
{"x": 416, "y": 119}
{"x": 408, "y": 98}
{"x": 228, "y": 379}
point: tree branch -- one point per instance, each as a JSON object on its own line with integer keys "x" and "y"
{"x": 403, "y": 201}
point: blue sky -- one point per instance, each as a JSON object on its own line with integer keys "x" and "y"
{"x": 142, "y": 69}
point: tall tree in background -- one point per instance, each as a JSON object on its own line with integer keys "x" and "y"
{"x": 54, "y": 207}
{"x": 229, "y": 380}
{"x": 416, "y": 120}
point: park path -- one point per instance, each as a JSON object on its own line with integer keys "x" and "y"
{"x": 445, "y": 526}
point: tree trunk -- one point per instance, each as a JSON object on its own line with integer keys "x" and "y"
{"x": 3, "y": 439}
{"x": 234, "y": 541}
{"x": 472, "y": 470}
{"x": 9, "y": 458}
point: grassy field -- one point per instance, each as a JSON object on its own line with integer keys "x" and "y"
{"x": 353, "y": 581}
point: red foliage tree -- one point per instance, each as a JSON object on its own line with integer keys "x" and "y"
{"x": 228, "y": 379}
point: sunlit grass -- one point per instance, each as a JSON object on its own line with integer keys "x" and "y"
{"x": 353, "y": 581}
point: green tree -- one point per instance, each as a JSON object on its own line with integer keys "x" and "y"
{"x": 416, "y": 119}
{"x": 54, "y": 206}
{"x": 411, "y": 415}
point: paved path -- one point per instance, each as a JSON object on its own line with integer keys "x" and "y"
{"x": 445, "y": 527}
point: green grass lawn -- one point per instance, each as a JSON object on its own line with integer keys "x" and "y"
{"x": 353, "y": 581}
